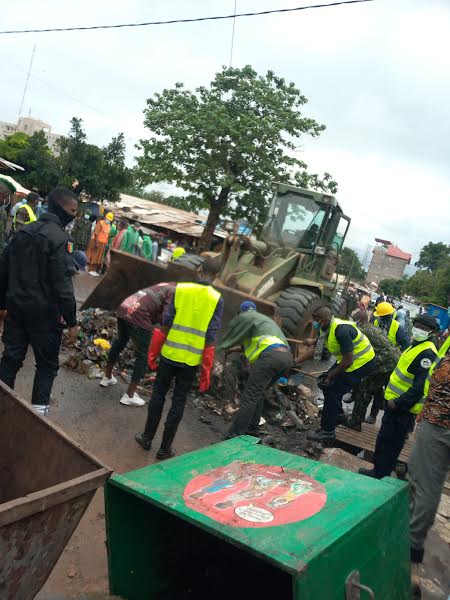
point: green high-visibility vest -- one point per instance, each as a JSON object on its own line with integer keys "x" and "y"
{"x": 255, "y": 345}
{"x": 392, "y": 333}
{"x": 401, "y": 379}
{"x": 31, "y": 216}
{"x": 440, "y": 355}
{"x": 194, "y": 308}
{"x": 362, "y": 348}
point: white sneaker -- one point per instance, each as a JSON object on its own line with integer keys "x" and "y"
{"x": 134, "y": 401}
{"x": 40, "y": 409}
{"x": 106, "y": 382}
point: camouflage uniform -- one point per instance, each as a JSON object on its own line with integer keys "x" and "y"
{"x": 386, "y": 358}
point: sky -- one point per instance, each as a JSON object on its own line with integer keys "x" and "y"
{"x": 376, "y": 74}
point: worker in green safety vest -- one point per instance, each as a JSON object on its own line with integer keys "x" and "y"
{"x": 269, "y": 355}
{"x": 404, "y": 396}
{"x": 354, "y": 361}
{"x": 384, "y": 318}
{"x": 186, "y": 343}
{"x": 25, "y": 213}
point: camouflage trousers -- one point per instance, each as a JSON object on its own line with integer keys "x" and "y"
{"x": 370, "y": 387}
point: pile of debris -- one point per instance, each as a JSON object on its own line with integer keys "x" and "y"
{"x": 89, "y": 354}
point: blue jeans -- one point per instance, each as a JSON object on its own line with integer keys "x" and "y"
{"x": 333, "y": 394}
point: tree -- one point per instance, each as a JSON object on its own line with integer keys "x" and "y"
{"x": 224, "y": 144}
{"x": 13, "y": 145}
{"x": 41, "y": 169}
{"x": 350, "y": 265}
{"x": 101, "y": 172}
{"x": 432, "y": 255}
{"x": 393, "y": 287}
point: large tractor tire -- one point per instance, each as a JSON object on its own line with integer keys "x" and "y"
{"x": 339, "y": 307}
{"x": 190, "y": 261}
{"x": 295, "y": 306}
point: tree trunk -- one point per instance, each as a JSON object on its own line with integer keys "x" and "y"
{"x": 217, "y": 206}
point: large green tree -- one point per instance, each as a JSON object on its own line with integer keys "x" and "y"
{"x": 432, "y": 255}
{"x": 394, "y": 287}
{"x": 350, "y": 265}
{"x": 224, "y": 144}
{"x": 41, "y": 168}
{"x": 13, "y": 145}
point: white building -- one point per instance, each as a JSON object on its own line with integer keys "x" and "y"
{"x": 29, "y": 125}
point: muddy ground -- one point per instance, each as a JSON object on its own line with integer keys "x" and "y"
{"x": 94, "y": 417}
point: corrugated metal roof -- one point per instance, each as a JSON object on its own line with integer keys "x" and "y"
{"x": 161, "y": 215}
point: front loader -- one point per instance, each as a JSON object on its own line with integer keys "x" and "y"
{"x": 288, "y": 272}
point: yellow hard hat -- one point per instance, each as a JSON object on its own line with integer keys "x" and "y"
{"x": 110, "y": 216}
{"x": 384, "y": 309}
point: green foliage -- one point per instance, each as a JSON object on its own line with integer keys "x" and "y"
{"x": 350, "y": 265}
{"x": 13, "y": 145}
{"x": 432, "y": 255}
{"x": 224, "y": 144}
{"x": 394, "y": 287}
{"x": 41, "y": 168}
{"x": 101, "y": 172}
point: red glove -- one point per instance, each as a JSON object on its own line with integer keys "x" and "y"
{"x": 207, "y": 363}
{"x": 158, "y": 339}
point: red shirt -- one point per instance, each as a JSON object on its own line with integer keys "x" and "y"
{"x": 146, "y": 307}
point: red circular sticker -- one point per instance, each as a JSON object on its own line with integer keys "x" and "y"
{"x": 250, "y": 495}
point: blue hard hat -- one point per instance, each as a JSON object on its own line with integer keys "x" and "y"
{"x": 80, "y": 259}
{"x": 247, "y": 305}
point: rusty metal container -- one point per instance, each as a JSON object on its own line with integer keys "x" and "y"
{"x": 46, "y": 483}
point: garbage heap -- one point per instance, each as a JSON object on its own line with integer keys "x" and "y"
{"x": 89, "y": 355}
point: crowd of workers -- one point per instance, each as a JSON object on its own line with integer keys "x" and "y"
{"x": 175, "y": 328}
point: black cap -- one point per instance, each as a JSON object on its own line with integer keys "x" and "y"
{"x": 428, "y": 321}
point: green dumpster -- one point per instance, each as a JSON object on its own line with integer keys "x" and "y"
{"x": 241, "y": 520}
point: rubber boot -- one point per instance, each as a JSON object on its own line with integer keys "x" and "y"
{"x": 166, "y": 450}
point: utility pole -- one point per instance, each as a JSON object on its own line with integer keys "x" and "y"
{"x": 27, "y": 80}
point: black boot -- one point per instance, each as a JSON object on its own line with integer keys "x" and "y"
{"x": 166, "y": 450}
{"x": 372, "y": 418}
{"x": 143, "y": 440}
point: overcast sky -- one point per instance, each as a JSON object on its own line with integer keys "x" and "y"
{"x": 376, "y": 74}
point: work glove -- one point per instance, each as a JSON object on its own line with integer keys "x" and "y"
{"x": 154, "y": 350}
{"x": 207, "y": 364}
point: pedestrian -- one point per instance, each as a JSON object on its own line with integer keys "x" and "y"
{"x": 372, "y": 386}
{"x": 154, "y": 250}
{"x": 177, "y": 252}
{"x": 185, "y": 342}
{"x": 82, "y": 230}
{"x": 112, "y": 234}
{"x": 98, "y": 243}
{"x": 354, "y": 361}
{"x": 81, "y": 261}
{"x": 430, "y": 458}
{"x": 364, "y": 301}
{"x": 404, "y": 397}
{"x": 384, "y": 318}
{"x": 147, "y": 247}
{"x": 130, "y": 240}
{"x": 25, "y": 212}
{"x": 41, "y": 208}
{"x": 117, "y": 241}
{"x": 36, "y": 290}
{"x": 401, "y": 316}
{"x": 266, "y": 349}
{"x": 136, "y": 317}
{"x": 381, "y": 298}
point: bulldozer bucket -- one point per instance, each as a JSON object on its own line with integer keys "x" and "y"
{"x": 128, "y": 273}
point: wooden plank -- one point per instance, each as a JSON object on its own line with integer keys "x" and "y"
{"x": 366, "y": 439}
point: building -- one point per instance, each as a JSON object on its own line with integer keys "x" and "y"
{"x": 29, "y": 125}
{"x": 388, "y": 262}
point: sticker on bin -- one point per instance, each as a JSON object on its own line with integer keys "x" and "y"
{"x": 251, "y": 495}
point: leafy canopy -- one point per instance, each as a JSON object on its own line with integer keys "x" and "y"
{"x": 350, "y": 265}
{"x": 432, "y": 255}
{"x": 224, "y": 144}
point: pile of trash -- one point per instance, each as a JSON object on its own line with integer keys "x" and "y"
{"x": 89, "y": 354}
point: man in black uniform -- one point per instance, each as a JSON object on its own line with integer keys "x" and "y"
{"x": 36, "y": 290}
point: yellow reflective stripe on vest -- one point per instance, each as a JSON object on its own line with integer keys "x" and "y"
{"x": 401, "y": 379}
{"x": 255, "y": 345}
{"x": 194, "y": 308}
{"x": 362, "y": 348}
{"x": 441, "y": 353}
{"x": 31, "y": 215}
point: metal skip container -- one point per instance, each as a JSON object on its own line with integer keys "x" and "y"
{"x": 46, "y": 483}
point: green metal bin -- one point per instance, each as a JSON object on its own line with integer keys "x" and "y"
{"x": 241, "y": 520}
